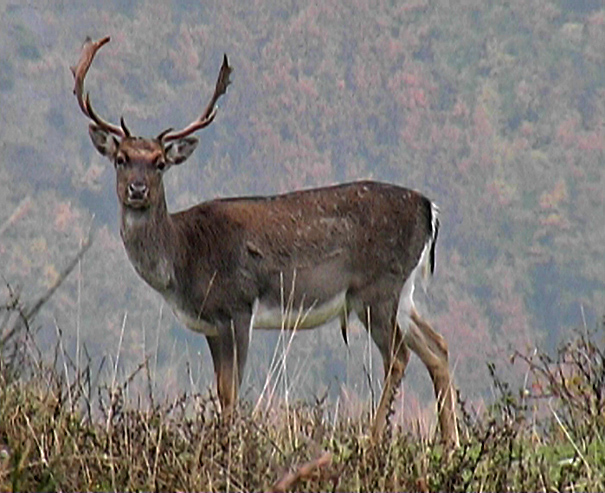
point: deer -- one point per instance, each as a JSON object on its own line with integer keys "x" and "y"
{"x": 222, "y": 265}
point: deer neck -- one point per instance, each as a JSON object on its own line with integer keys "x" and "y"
{"x": 150, "y": 243}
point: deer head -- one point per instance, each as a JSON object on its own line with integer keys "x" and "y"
{"x": 141, "y": 162}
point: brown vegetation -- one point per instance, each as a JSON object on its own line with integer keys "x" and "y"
{"x": 60, "y": 432}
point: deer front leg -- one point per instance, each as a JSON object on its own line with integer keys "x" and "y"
{"x": 229, "y": 350}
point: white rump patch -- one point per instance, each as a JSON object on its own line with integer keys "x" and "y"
{"x": 406, "y": 299}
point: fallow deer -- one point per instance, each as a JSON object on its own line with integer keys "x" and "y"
{"x": 223, "y": 265}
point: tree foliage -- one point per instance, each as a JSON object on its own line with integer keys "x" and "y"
{"x": 493, "y": 109}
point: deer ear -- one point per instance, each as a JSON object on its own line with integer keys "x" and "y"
{"x": 104, "y": 142}
{"x": 178, "y": 151}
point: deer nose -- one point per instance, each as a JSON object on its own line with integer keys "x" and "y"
{"x": 137, "y": 190}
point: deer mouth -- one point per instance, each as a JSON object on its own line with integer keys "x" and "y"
{"x": 137, "y": 202}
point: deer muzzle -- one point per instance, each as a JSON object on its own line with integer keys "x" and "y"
{"x": 138, "y": 193}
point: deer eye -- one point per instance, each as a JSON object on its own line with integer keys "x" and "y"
{"x": 160, "y": 164}
{"x": 120, "y": 161}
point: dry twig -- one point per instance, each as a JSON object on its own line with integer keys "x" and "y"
{"x": 304, "y": 471}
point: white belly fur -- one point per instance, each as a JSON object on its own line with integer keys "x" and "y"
{"x": 271, "y": 317}
{"x": 196, "y": 324}
{"x": 266, "y": 317}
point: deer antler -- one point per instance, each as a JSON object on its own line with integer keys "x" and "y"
{"x": 89, "y": 50}
{"x": 209, "y": 113}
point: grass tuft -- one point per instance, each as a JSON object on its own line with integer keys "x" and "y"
{"x": 60, "y": 431}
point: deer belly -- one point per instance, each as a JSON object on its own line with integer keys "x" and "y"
{"x": 190, "y": 321}
{"x": 266, "y": 316}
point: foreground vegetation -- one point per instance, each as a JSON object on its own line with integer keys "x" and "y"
{"x": 67, "y": 433}
{"x": 493, "y": 109}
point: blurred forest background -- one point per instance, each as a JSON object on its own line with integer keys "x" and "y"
{"x": 493, "y": 109}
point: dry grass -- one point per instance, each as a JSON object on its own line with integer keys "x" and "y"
{"x": 61, "y": 432}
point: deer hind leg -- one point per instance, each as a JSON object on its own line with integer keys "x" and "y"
{"x": 229, "y": 351}
{"x": 381, "y": 321}
{"x": 432, "y": 350}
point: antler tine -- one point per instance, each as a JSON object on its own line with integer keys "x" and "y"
{"x": 89, "y": 50}
{"x": 210, "y": 112}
